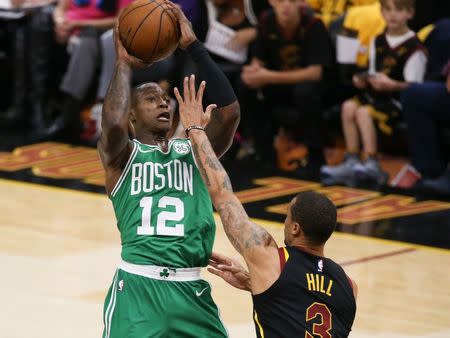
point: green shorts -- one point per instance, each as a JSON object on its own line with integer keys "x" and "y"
{"x": 137, "y": 306}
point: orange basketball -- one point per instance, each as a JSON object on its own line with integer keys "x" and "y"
{"x": 149, "y": 30}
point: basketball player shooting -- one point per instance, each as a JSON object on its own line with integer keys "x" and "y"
{"x": 296, "y": 291}
{"x": 163, "y": 209}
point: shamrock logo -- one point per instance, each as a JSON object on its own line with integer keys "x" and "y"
{"x": 164, "y": 273}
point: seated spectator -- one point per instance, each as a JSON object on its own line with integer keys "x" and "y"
{"x": 20, "y": 22}
{"x": 396, "y": 59}
{"x": 231, "y": 32}
{"x": 427, "y": 109}
{"x": 80, "y": 24}
{"x": 292, "y": 49}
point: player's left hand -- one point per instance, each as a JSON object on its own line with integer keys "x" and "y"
{"x": 230, "y": 271}
{"x": 190, "y": 105}
{"x": 256, "y": 78}
{"x": 381, "y": 82}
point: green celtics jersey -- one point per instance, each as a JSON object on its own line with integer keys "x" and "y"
{"x": 163, "y": 209}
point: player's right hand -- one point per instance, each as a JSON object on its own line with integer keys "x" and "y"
{"x": 122, "y": 54}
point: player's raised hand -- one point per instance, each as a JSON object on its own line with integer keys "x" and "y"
{"x": 229, "y": 270}
{"x": 122, "y": 54}
{"x": 187, "y": 33}
{"x": 191, "y": 106}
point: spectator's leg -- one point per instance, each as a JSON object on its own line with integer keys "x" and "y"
{"x": 76, "y": 82}
{"x": 82, "y": 66}
{"x": 424, "y": 106}
{"x": 370, "y": 169}
{"x": 18, "y": 110}
{"x": 367, "y": 130}
{"x": 307, "y": 99}
{"x": 256, "y": 108}
{"x": 41, "y": 46}
{"x": 349, "y": 126}
{"x": 108, "y": 60}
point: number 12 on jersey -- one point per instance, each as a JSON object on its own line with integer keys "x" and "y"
{"x": 162, "y": 229}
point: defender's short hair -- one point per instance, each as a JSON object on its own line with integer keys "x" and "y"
{"x": 316, "y": 215}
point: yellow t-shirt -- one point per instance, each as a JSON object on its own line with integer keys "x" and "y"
{"x": 329, "y": 10}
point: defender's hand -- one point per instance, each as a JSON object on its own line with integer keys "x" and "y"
{"x": 230, "y": 271}
{"x": 190, "y": 105}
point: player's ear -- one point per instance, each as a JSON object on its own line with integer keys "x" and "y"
{"x": 296, "y": 229}
{"x": 131, "y": 130}
{"x": 132, "y": 116}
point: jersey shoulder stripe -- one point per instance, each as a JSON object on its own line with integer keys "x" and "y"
{"x": 125, "y": 171}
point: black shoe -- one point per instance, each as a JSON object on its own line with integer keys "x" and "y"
{"x": 67, "y": 124}
{"x": 12, "y": 117}
{"x": 440, "y": 185}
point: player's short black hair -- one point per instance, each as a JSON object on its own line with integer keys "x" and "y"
{"x": 316, "y": 215}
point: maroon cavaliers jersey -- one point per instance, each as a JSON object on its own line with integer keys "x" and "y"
{"x": 313, "y": 297}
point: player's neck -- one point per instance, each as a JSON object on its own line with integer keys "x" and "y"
{"x": 160, "y": 140}
{"x": 316, "y": 250}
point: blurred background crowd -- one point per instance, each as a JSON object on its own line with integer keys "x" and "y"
{"x": 327, "y": 88}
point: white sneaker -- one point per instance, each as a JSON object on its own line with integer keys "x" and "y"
{"x": 343, "y": 173}
{"x": 371, "y": 170}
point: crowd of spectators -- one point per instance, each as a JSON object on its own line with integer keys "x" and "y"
{"x": 300, "y": 68}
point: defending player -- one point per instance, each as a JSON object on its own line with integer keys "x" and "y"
{"x": 297, "y": 292}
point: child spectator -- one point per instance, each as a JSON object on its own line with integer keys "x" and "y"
{"x": 396, "y": 59}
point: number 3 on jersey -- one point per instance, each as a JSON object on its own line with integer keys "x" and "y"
{"x": 323, "y": 328}
{"x": 162, "y": 229}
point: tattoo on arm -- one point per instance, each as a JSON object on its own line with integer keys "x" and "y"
{"x": 114, "y": 137}
{"x": 201, "y": 167}
{"x": 242, "y": 233}
{"x": 211, "y": 159}
{"x": 227, "y": 184}
{"x": 117, "y": 100}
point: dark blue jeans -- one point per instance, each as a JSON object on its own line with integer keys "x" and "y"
{"x": 426, "y": 107}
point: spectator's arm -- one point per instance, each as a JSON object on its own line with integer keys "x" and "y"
{"x": 105, "y": 23}
{"x": 383, "y": 83}
{"x": 317, "y": 47}
{"x": 60, "y": 11}
{"x": 310, "y": 73}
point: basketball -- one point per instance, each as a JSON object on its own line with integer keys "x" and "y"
{"x": 149, "y": 30}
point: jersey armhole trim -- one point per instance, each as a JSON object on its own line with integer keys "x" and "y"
{"x": 261, "y": 330}
{"x": 283, "y": 254}
{"x": 125, "y": 171}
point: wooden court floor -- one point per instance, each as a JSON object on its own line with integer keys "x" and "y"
{"x": 59, "y": 249}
